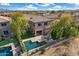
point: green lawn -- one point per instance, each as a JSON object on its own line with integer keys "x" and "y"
{"x": 28, "y": 34}
{"x": 4, "y": 42}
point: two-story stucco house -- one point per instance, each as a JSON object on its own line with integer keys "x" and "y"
{"x": 40, "y": 24}
{"x": 4, "y": 27}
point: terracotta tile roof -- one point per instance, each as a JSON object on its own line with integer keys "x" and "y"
{"x": 38, "y": 18}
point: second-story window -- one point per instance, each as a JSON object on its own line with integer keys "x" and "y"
{"x": 3, "y": 24}
{"x": 6, "y": 32}
{"x": 45, "y": 23}
{"x": 39, "y": 24}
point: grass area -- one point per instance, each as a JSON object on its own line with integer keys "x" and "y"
{"x": 28, "y": 34}
{"x": 4, "y": 42}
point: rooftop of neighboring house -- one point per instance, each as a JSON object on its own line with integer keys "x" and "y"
{"x": 76, "y": 14}
{"x": 38, "y": 18}
{"x": 52, "y": 16}
{"x": 4, "y": 19}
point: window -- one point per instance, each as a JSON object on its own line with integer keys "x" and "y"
{"x": 6, "y": 32}
{"x": 39, "y": 32}
{"x": 46, "y": 23}
{"x": 39, "y": 24}
{"x": 3, "y": 24}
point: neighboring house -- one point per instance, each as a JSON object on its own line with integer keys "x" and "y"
{"x": 42, "y": 12}
{"x": 4, "y": 27}
{"x": 76, "y": 15}
{"x": 39, "y": 24}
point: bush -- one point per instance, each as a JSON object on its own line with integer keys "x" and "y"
{"x": 64, "y": 28}
{"x": 57, "y": 33}
{"x": 66, "y": 31}
{"x": 73, "y": 31}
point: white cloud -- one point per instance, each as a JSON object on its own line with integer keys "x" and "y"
{"x": 76, "y": 6}
{"x": 46, "y": 4}
{"x": 70, "y": 8}
{"x": 57, "y": 7}
{"x": 31, "y": 7}
{"x": 76, "y": 3}
{"x": 7, "y": 4}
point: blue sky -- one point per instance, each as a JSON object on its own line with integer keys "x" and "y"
{"x": 39, "y": 6}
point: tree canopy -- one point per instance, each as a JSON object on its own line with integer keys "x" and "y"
{"x": 19, "y": 24}
{"x": 65, "y": 26}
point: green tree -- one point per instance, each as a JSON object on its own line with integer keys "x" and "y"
{"x": 66, "y": 26}
{"x": 66, "y": 20}
{"x": 19, "y": 25}
{"x": 57, "y": 33}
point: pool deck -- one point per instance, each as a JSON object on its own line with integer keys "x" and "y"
{"x": 33, "y": 39}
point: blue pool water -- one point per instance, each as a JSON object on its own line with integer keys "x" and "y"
{"x": 31, "y": 45}
{"x": 6, "y": 51}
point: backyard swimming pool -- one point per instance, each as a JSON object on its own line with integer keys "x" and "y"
{"x": 31, "y": 45}
{"x": 6, "y": 51}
